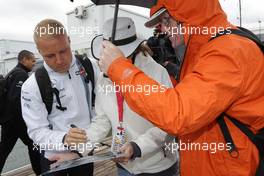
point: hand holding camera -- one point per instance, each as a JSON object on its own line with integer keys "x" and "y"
{"x": 163, "y": 52}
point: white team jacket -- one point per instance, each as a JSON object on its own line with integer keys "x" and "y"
{"x": 150, "y": 139}
{"x": 49, "y": 130}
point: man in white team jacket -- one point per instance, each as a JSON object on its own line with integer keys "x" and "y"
{"x": 52, "y": 132}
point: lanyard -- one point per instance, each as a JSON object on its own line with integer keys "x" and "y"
{"x": 120, "y": 103}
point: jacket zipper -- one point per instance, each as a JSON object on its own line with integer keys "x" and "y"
{"x": 179, "y": 76}
{"x": 187, "y": 46}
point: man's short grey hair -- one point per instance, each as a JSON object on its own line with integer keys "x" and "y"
{"x": 48, "y": 28}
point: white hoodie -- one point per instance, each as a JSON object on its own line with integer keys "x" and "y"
{"x": 150, "y": 139}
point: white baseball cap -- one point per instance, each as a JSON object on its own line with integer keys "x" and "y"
{"x": 155, "y": 18}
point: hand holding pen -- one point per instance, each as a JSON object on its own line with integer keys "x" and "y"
{"x": 75, "y": 136}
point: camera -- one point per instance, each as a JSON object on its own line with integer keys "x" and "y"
{"x": 163, "y": 52}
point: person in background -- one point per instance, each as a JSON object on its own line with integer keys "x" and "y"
{"x": 13, "y": 125}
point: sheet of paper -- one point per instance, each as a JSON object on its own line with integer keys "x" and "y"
{"x": 84, "y": 160}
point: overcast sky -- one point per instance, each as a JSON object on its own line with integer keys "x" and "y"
{"x": 18, "y": 17}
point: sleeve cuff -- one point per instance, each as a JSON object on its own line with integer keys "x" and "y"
{"x": 137, "y": 151}
{"x": 120, "y": 69}
{"x": 59, "y": 137}
{"x": 63, "y": 139}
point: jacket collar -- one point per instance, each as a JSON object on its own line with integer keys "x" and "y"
{"x": 19, "y": 65}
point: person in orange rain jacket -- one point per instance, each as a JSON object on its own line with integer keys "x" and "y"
{"x": 222, "y": 75}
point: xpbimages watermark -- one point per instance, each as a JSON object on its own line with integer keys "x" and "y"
{"x": 81, "y": 148}
{"x": 174, "y": 147}
{"x": 80, "y": 31}
{"x": 191, "y": 30}
{"x": 145, "y": 89}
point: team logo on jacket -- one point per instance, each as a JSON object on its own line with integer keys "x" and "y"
{"x": 81, "y": 72}
{"x": 19, "y": 84}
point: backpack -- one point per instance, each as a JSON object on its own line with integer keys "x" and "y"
{"x": 4, "y": 83}
{"x": 258, "y": 138}
{"x": 47, "y": 91}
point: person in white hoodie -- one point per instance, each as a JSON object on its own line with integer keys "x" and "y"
{"x": 142, "y": 144}
{"x": 52, "y": 131}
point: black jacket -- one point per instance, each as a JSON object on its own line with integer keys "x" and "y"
{"x": 16, "y": 77}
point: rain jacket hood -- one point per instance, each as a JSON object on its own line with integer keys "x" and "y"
{"x": 189, "y": 12}
{"x": 210, "y": 20}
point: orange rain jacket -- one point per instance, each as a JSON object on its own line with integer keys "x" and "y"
{"x": 223, "y": 75}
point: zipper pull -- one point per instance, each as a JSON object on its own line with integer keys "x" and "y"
{"x": 69, "y": 75}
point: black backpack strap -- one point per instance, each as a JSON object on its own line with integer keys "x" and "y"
{"x": 260, "y": 169}
{"x": 88, "y": 66}
{"x": 227, "y": 136}
{"x": 46, "y": 90}
{"x": 57, "y": 95}
{"x": 244, "y": 33}
{"x": 245, "y": 129}
{"x": 252, "y": 35}
{"x": 45, "y": 87}
{"x": 256, "y": 139}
